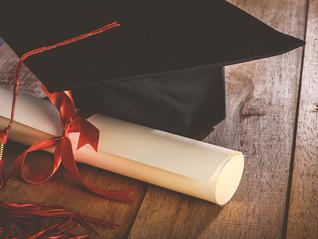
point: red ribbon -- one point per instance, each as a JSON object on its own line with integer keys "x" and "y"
{"x": 72, "y": 122}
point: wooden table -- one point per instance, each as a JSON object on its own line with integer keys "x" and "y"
{"x": 271, "y": 117}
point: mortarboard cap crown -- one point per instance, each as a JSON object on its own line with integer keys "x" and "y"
{"x": 163, "y": 68}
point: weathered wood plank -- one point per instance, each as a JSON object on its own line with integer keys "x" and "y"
{"x": 61, "y": 190}
{"x": 303, "y": 212}
{"x": 262, "y": 102}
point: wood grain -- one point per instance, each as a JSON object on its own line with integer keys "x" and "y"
{"x": 61, "y": 190}
{"x": 303, "y": 212}
{"x": 262, "y": 103}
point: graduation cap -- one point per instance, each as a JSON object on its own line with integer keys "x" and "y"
{"x": 163, "y": 68}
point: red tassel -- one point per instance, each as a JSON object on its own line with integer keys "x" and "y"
{"x": 2, "y": 179}
{"x": 21, "y": 221}
{"x": 3, "y": 141}
{"x": 36, "y": 222}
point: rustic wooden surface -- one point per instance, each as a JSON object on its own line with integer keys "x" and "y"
{"x": 60, "y": 190}
{"x": 262, "y": 118}
{"x": 303, "y": 211}
{"x": 262, "y": 102}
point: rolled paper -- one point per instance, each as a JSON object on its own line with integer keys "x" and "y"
{"x": 188, "y": 166}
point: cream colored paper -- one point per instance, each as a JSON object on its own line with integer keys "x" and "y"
{"x": 184, "y": 165}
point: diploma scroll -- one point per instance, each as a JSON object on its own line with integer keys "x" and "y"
{"x": 177, "y": 163}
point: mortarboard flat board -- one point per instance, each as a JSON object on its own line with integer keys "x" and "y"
{"x": 163, "y": 68}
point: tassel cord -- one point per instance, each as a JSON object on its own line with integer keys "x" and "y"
{"x": 20, "y": 221}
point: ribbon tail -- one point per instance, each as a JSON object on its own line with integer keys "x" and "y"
{"x": 89, "y": 134}
{"x": 69, "y": 164}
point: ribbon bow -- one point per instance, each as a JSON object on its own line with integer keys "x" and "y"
{"x": 72, "y": 122}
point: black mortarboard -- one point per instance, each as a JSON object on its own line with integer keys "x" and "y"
{"x": 163, "y": 68}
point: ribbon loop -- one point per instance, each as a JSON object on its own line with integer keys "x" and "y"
{"x": 20, "y": 161}
{"x": 72, "y": 122}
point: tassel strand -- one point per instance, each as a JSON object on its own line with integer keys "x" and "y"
{"x": 37, "y": 222}
{"x": 31, "y": 221}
